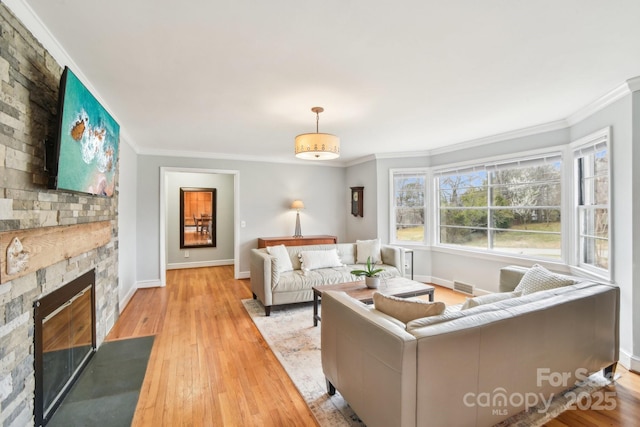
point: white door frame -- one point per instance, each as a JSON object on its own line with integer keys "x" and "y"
{"x": 163, "y": 215}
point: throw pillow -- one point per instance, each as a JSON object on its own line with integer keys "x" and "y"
{"x": 282, "y": 257}
{"x": 366, "y": 249}
{"x": 406, "y": 310}
{"x": 538, "y": 278}
{"x": 488, "y": 299}
{"x": 347, "y": 253}
{"x": 312, "y": 260}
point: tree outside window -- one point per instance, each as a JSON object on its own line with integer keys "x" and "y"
{"x": 511, "y": 207}
{"x": 592, "y": 189}
{"x": 409, "y": 206}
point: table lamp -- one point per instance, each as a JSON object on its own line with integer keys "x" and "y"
{"x": 297, "y": 205}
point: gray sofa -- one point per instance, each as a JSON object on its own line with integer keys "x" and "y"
{"x": 431, "y": 371}
{"x": 273, "y": 287}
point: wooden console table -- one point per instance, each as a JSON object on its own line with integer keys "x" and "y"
{"x": 263, "y": 242}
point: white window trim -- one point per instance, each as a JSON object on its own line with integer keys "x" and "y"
{"x": 602, "y": 135}
{"x": 565, "y": 195}
{"x": 392, "y": 213}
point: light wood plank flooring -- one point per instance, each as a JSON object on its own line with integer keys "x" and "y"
{"x": 211, "y": 367}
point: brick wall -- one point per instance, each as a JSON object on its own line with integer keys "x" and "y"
{"x": 29, "y": 77}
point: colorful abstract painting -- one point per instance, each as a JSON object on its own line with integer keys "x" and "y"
{"x": 89, "y": 139}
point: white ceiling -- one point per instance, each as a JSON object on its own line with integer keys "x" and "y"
{"x": 238, "y": 77}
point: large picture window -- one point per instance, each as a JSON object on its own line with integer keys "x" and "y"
{"x": 592, "y": 198}
{"x": 409, "y": 208}
{"x": 512, "y": 207}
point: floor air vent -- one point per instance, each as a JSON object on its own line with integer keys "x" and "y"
{"x": 463, "y": 287}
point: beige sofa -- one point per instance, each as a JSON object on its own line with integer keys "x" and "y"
{"x": 273, "y": 287}
{"x": 433, "y": 371}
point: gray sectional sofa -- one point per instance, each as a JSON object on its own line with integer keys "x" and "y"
{"x": 433, "y": 371}
{"x": 272, "y": 286}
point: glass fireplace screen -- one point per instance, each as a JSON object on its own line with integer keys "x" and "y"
{"x": 64, "y": 341}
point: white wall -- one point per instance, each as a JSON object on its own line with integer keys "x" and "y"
{"x": 127, "y": 207}
{"x": 443, "y": 266}
{"x": 222, "y": 253}
{"x": 266, "y": 191}
{"x": 475, "y": 269}
{"x": 364, "y": 227}
{"x": 625, "y": 179}
{"x": 635, "y": 282}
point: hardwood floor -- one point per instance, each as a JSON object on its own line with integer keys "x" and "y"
{"x": 211, "y": 367}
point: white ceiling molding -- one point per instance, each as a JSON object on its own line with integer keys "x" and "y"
{"x": 600, "y": 103}
{"x": 519, "y": 133}
{"x": 619, "y": 92}
{"x": 360, "y": 160}
{"x": 237, "y": 157}
{"x": 634, "y": 84}
{"x": 402, "y": 154}
{"x": 25, "y": 13}
{"x": 41, "y": 33}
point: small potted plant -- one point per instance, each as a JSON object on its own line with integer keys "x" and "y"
{"x": 371, "y": 278}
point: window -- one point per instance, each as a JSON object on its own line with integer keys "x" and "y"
{"x": 512, "y": 207}
{"x": 409, "y": 209}
{"x": 591, "y": 156}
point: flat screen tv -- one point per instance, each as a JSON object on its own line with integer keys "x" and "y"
{"x": 83, "y": 157}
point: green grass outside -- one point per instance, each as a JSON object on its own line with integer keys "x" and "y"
{"x": 507, "y": 239}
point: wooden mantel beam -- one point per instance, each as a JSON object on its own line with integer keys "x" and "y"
{"x": 25, "y": 251}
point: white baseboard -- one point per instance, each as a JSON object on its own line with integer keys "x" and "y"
{"x": 199, "y": 264}
{"x": 428, "y": 279}
{"x": 629, "y": 361}
{"x": 156, "y": 283}
{"x": 449, "y": 284}
{"x": 138, "y": 285}
{"x": 244, "y": 275}
{"x": 127, "y": 298}
{"x": 437, "y": 281}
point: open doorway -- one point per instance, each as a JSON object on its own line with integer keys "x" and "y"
{"x": 173, "y": 253}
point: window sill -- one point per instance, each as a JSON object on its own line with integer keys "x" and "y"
{"x": 597, "y": 275}
{"x": 558, "y": 265}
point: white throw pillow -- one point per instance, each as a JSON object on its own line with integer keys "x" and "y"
{"x": 538, "y": 278}
{"x": 366, "y": 249}
{"x": 488, "y": 299}
{"x": 312, "y": 260}
{"x": 282, "y": 257}
{"x": 347, "y": 253}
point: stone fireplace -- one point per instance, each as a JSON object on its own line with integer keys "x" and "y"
{"x": 64, "y": 341}
{"x": 40, "y": 218}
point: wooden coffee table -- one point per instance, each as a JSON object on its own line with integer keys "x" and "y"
{"x": 397, "y": 287}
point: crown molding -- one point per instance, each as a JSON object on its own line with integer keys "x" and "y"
{"x": 634, "y": 84}
{"x": 402, "y": 154}
{"x": 238, "y": 157}
{"x": 518, "y": 133}
{"x": 32, "y": 22}
{"x": 599, "y": 104}
{"x": 41, "y": 33}
{"x": 360, "y": 160}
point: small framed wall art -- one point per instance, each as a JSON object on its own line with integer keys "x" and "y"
{"x": 357, "y": 201}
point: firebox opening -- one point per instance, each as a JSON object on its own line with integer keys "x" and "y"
{"x": 64, "y": 341}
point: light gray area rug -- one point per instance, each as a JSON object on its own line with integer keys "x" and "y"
{"x": 294, "y": 340}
